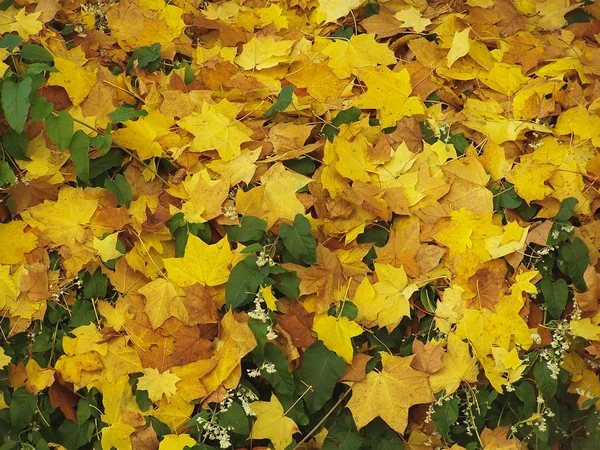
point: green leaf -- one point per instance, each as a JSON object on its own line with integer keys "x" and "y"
{"x": 161, "y": 428}
{"x": 525, "y": 392}
{"x": 73, "y": 436}
{"x": 236, "y": 418}
{"x": 445, "y": 416}
{"x": 15, "y": 144}
{"x": 83, "y": 313}
{"x": 288, "y": 284}
{"x": 252, "y": 248}
{"x": 100, "y": 165}
{"x": 21, "y": 408}
{"x": 94, "y": 285}
{"x": 250, "y": 229}
{"x": 371, "y": 9}
{"x": 555, "y": 294}
{"x": 15, "y": 102}
{"x": 460, "y": 143}
{"x": 142, "y": 399}
{"x": 281, "y": 380}
{"x": 566, "y": 210}
{"x": 40, "y": 109}
{"x": 543, "y": 379}
{"x": 299, "y": 240}
{"x": 60, "y": 129}
{"x": 84, "y": 411}
{"x": 244, "y": 280}
{"x": 103, "y": 141}
{"x": 10, "y": 41}
{"x": 321, "y": 368}
{"x": 38, "y": 68}
{"x": 181, "y": 237}
{"x": 6, "y": 174}
{"x": 573, "y": 260}
{"x": 376, "y": 235}
{"x": 36, "y": 53}
{"x": 341, "y": 437}
{"x": 283, "y": 101}
{"x": 79, "y": 151}
{"x": 347, "y": 116}
{"x": 302, "y": 165}
{"x": 144, "y": 56}
{"x": 120, "y": 187}
{"x": 125, "y": 113}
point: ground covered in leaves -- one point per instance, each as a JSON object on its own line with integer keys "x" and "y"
{"x": 302, "y": 224}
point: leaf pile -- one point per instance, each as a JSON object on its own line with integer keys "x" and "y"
{"x": 329, "y": 224}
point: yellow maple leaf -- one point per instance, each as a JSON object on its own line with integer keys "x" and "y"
{"x": 78, "y": 81}
{"x": 117, "y": 436}
{"x": 276, "y": 198}
{"x": 412, "y": 18}
{"x": 119, "y": 402}
{"x": 176, "y": 442}
{"x": 581, "y": 123}
{"x": 585, "y": 328}
{"x": 216, "y": 128}
{"x": 389, "y": 93}
{"x": 337, "y": 333}
{"x": 62, "y": 221}
{"x": 38, "y": 379}
{"x": 203, "y": 263}
{"x": 334, "y": 9}
{"x": 459, "y": 366}
{"x": 115, "y": 316}
{"x": 43, "y": 161}
{"x": 4, "y": 358}
{"x": 14, "y": 242}
{"x": 107, "y": 247}
{"x": 389, "y": 393}
{"x": 271, "y": 423}
{"x": 158, "y": 384}
{"x": 460, "y": 46}
{"x": 163, "y": 300}
{"x": 392, "y": 288}
{"x": 144, "y": 134}
{"x": 262, "y": 53}
{"x": 26, "y": 25}
{"x": 347, "y": 57}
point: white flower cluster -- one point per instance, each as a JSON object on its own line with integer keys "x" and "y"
{"x": 555, "y": 355}
{"x": 215, "y": 432}
{"x": 536, "y": 338}
{"x": 230, "y": 212}
{"x": 99, "y": 12}
{"x": 264, "y": 258}
{"x": 266, "y": 366}
{"x": 260, "y": 313}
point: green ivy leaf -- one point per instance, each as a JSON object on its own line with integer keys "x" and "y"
{"x": 321, "y": 368}
{"x": 347, "y": 116}
{"x": 281, "y": 380}
{"x": 555, "y": 295}
{"x": 573, "y": 260}
{"x": 36, "y": 53}
{"x": 120, "y": 187}
{"x": 283, "y": 101}
{"x": 15, "y": 102}
{"x": 21, "y": 408}
{"x": 10, "y": 41}
{"x": 244, "y": 280}
{"x": 94, "y": 285}
{"x": 40, "y": 109}
{"x": 543, "y": 379}
{"x": 125, "y": 113}
{"x": 145, "y": 56}
{"x": 79, "y": 151}
{"x": 6, "y": 174}
{"x": 566, "y": 210}
{"x": 342, "y": 437}
{"x": 236, "y": 418}
{"x": 445, "y": 416}
{"x": 250, "y": 229}
{"x": 299, "y": 240}
{"x": 60, "y": 129}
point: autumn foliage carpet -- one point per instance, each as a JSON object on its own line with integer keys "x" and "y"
{"x": 299, "y": 224}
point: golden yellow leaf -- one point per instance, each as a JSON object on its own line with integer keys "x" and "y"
{"x": 271, "y": 423}
{"x": 78, "y": 81}
{"x": 347, "y": 57}
{"x": 460, "y": 46}
{"x": 107, "y": 247}
{"x": 163, "y": 300}
{"x": 26, "y": 25}
{"x": 144, "y": 134}
{"x": 14, "y": 242}
{"x": 412, "y": 18}
{"x": 158, "y": 384}
{"x": 38, "y": 379}
{"x": 389, "y": 93}
{"x": 203, "y": 263}
{"x": 117, "y": 435}
{"x": 262, "y": 53}
{"x": 176, "y": 442}
{"x": 337, "y": 333}
{"x": 4, "y": 359}
{"x": 388, "y": 394}
{"x": 459, "y": 366}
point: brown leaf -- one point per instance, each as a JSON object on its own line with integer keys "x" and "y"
{"x": 428, "y": 357}
{"x": 63, "y": 398}
{"x": 488, "y": 283}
